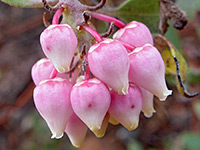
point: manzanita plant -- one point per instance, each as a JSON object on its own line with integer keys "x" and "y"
{"x": 89, "y": 79}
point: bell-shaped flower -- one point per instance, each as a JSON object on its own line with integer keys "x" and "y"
{"x": 101, "y": 132}
{"x": 147, "y": 106}
{"x": 76, "y": 130}
{"x": 90, "y": 101}
{"x": 109, "y": 61}
{"x": 147, "y": 70}
{"x": 52, "y": 100}
{"x": 126, "y": 108}
{"x": 42, "y": 70}
{"x": 134, "y": 33}
{"x": 59, "y": 44}
{"x": 113, "y": 121}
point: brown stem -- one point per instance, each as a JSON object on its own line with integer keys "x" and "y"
{"x": 45, "y": 21}
{"x": 100, "y": 5}
{"x": 51, "y": 8}
{"x": 109, "y": 32}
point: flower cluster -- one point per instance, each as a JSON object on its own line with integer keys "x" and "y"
{"x": 113, "y": 81}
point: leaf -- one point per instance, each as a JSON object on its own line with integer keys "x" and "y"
{"x": 140, "y": 10}
{"x": 190, "y": 141}
{"x": 175, "y": 64}
{"x": 27, "y": 3}
{"x": 170, "y": 11}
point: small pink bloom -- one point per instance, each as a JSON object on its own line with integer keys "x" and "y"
{"x": 135, "y": 33}
{"x": 90, "y": 101}
{"x": 52, "y": 100}
{"x": 108, "y": 61}
{"x": 126, "y": 108}
{"x": 76, "y": 130}
{"x": 101, "y": 132}
{"x": 59, "y": 44}
{"x": 147, "y": 106}
{"x": 147, "y": 70}
{"x": 42, "y": 70}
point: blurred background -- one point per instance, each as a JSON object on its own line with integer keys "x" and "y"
{"x": 175, "y": 126}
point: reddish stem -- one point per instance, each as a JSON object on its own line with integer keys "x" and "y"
{"x": 57, "y": 15}
{"x": 106, "y": 18}
{"x": 87, "y": 73}
{"x": 93, "y": 33}
{"x": 128, "y": 46}
{"x": 53, "y": 73}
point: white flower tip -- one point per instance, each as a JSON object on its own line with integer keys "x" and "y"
{"x": 95, "y": 128}
{"x": 149, "y": 113}
{"x": 57, "y": 136}
{"x": 165, "y": 95}
{"x": 113, "y": 121}
{"x": 100, "y": 133}
{"x": 61, "y": 69}
{"x": 133, "y": 126}
{"x": 124, "y": 90}
{"x": 77, "y": 145}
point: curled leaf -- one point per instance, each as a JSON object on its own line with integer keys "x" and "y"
{"x": 175, "y": 64}
{"x": 169, "y": 10}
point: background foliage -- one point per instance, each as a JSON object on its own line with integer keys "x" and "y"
{"x": 175, "y": 125}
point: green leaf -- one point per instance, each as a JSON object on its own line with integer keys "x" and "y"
{"x": 140, "y": 10}
{"x": 190, "y": 7}
{"x": 27, "y": 3}
{"x": 175, "y": 64}
{"x": 135, "y": 145}
{"x": 190, "y": 141}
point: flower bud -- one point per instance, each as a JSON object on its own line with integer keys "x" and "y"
{"x": 101, "y": 132}
{"x": 52, "y": 100}
{"x": 109, "y": 61}
{"x": 147, "y": 70}
{"x": 147, "y": 106}
{"x": 76, "y": 130}
{"x": 135, "y": 33}
{"x": 42, "y": 70}
{"x": 90, "y": 101}
{"x": 59, "y": 44}
{"x": 126, "y": 108}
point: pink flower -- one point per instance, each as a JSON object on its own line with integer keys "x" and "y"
{"x": 126, "y": 108}
{"x": 135, "y": 33}
{"x": 90, "y": 101}
{"x": 76, "y": 130}
{"x": 109, "y": 61}
{"x": 42, "y": 70}
{"x": 52, "y": 100}
{"x": 59, "y": 44}
{"x": 147, "y": 106}
{"x": 147, "y": 70}
{"x": 101, "y": 132}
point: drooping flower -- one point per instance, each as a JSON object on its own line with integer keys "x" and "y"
{"x": 147, "y": 106}
{"x": 52, "y": 100}
{"x": 42, "y": 70}
{"x": 147, "y": 70}
{"x": 126, "y": 108}
{"x": 134, "y": 33}
{"x": 90, "y": 101}
{"x": 101, "y": 132}
{"x": 59, "y": 44}
{"x": 76, "y": 130}
{"x": 108, "y": 61}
